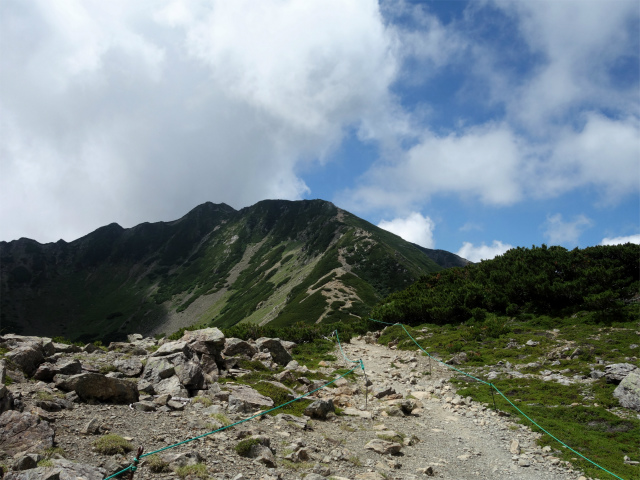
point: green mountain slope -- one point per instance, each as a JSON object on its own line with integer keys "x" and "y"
{"x": 276, "y": 262}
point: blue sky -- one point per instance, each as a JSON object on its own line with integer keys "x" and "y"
{"x": 471, "y": 127}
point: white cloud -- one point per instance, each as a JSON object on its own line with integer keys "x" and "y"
{"x": 482, "y": 252}
{"x": 621, "y": 240}
{"x": 481, "y": 164}
{"x": 137, "y": 111}
{"x": 559, "y": 232}
{"x": 414, "y": 228}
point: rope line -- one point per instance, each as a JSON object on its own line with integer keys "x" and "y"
{"x": 132, "y": 467}
{"x": 503, "y": 396}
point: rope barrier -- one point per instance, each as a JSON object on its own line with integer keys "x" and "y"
{"x": 132, "y": 468}
{"x": 493, "y": 387}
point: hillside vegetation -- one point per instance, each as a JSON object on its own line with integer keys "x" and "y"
{"x": 276, "y": 262}
{"x": 537, "y": 281}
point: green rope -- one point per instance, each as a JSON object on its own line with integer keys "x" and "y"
{"x": 132, "y": 467}
{"x": 343, "y": 354}
{"x": 503, "y": 396}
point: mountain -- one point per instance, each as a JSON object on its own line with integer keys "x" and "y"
{"x": 276, "y": 262}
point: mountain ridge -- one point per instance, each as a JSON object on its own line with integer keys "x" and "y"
{"x": 277, "y": 260}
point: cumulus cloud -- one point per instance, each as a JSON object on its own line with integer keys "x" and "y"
{"x": 414, "y": 228}
{"x": 130, "y": 112}
{"x": 481, "y": 164}
{"x": 482, "y": 252}
{"x": 621, "y": 240}
{"x": 557, "y": 231}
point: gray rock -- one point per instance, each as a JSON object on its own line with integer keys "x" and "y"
{"x": 23, "y": 432}
{"x": 236, "y": 346}
{"x": 245, "y": 399}
{"x": 383, "y": 447}
{"x": 274, "y": 346}
{"x": 208, "y": 340}
{"x": 47, "y": 370}
{"x": 28, "y": 358}
{"x": 259, "y": 450}
{"x": 628, "y": 391}
{"x": 134, "y": 337}
{"x": 320, "y": 409}
{"x": 66, "y": 348}
{"x": 26, "y": 462}
{"x": 616, "y": 372}
{"x": 55, "y": 404}
{"x": 384, "y": 391}
{"x": 3, "y": 371}
{"x": 157, "y": 369}
{"x": 458, "y": 359}
{"x": 189, "y": 373}
{"x": 171, "y": 348}
{"x": 92, "y": 428}
{"x": 93, "y": 386}
{"x": 124, "y": 347}
{"x": 184, "y": 459}
{"x": 145, "y": 406}
{"x": 171, "y": 386}
{"x": 130, "y": 367}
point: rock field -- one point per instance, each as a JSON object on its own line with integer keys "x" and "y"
{"x": 396, "y": 422}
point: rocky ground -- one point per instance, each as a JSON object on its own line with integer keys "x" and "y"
{"x": 409, "y": 422}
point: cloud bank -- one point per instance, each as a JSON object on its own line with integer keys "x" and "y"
{"x": 414, "y": 228}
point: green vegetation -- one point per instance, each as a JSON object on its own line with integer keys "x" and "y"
{"x": 539, "y": 281}
{"x": 198, "y": 470}
{"x": 243, "y": 448}
{"x": 157, "y": 465}
{"x": 112, "y": 444}
{"x": 281, "y": 396}
{"x": 205, "y": 401}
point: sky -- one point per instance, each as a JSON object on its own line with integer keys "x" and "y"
{"x": 472, "y": 127}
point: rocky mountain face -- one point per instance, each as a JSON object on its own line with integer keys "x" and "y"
{"x": 277, "y": 261}
{"x": 70, "y": 412}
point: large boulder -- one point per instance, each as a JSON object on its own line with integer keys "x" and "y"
{"x": 245, "y": 399}
{"x": 236, "y": 346}
{"x": 208, "y": 340}
{"x": 274, "y": 346}
{"x": 171, "y": 348}
{"x": 47, "y": 370}
{"x": 257, "y": 447}
{"x": 615, "y": 372}
{"x": 94, "y": 386}
{"x": 28, "y": 357}
{"x": 130, "y": 367}
{"x": 628, "y": 392}
{"x": 170, "y": 386}
{"x": 157, "y": 369}
{"x": 23, "y": 432}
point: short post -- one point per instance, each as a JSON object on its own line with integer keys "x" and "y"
{"x": 134, "y": 467}
{"x": 493, "y": 397}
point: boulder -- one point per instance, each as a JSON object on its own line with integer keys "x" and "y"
{"x": 458, "y": 359}
{"x": 628, "y": 391}
{"x": 235, "y": 346}
{"x": 320, "y": 409}
{"x": 171, "y": 386}
{"x": 157, "y": 369}
{"x": 258, "y": 448}
{"x": 184, "y": 459}
{"x": 55, "y": 404}
{"x": 26, "y": 462}
{"x": 383, "y": 447}
{"x": 130, "y": 367}
{"x": 274, "y": 346}
{"x": 47, "y": 370}
{"x": 66, "y": 348}
{"x": 62, "y": 469}
{"x": 23, "y": 432}
{"x": 616, "y": 372}
{"x": 28, "y": 358}
{"x": 94, "y": 386}
{"x": 208, "y": 340}
{"x": 6, "y": 399}
{"x": 245, "y": 399}
{"x": 384, "y": 391}
{"x": 189, "y": 373}
{"x": 171, "y": 348}
{"x": 3, "y": 371}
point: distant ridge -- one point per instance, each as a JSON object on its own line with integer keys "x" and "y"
{"x": 274, "y": 262}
